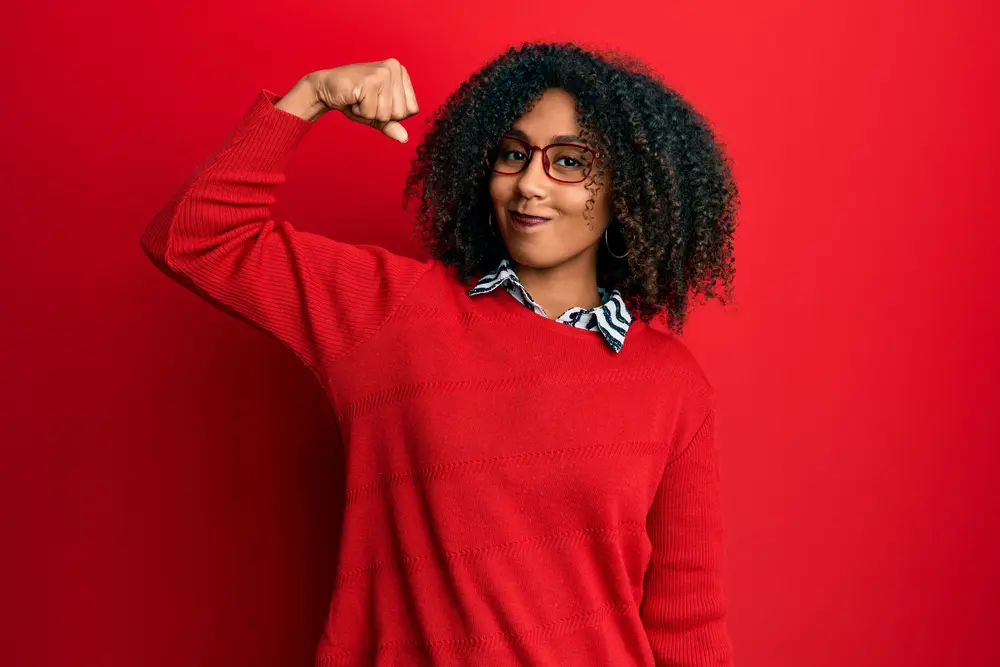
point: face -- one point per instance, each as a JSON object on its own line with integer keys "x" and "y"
{"x": 571, "y": 233}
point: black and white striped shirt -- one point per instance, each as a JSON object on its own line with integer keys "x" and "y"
{"x": 611, "y": 319}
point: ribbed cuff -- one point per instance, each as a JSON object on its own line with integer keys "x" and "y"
{"x": 266, "y": 137}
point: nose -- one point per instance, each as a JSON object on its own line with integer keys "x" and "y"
{"x": 532, "y": 180}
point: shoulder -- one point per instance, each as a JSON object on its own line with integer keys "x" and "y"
{"x": 681, "y": 368}
{"x": 428, "y": 272}
{"x": 437, "y": 291}
{"x": 442, "y": 279}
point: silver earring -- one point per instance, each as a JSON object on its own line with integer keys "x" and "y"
{"x": 608, "y": 246}
{"x": 490, "y": 223}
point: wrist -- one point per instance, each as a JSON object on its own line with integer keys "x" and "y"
{"x": 303, "y": 100}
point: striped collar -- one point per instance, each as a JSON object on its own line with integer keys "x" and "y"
{"x": 611, "y": 319}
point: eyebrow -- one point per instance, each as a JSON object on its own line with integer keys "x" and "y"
{"x": 558, "y": 139}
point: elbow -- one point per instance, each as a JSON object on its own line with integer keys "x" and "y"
{"x": 153, "y": 242}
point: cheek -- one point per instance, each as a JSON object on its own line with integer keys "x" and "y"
{"x": 594, "y": 216}
{"x": 501, "y": 190}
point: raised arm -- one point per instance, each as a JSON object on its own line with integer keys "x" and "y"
{"x": 216, "y": 234}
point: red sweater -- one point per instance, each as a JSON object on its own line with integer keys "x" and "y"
{"x": 517, "y": 493}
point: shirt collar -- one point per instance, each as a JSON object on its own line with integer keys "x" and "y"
{"x": 611, "y": 318}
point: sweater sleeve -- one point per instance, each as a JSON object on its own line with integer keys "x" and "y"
{"x": 683, "y": 608}
{"x": 216, "y": 236}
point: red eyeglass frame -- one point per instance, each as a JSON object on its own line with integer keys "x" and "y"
{"x": 545, "y": 159}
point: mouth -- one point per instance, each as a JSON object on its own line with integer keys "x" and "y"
{"x": 526, "y": 220}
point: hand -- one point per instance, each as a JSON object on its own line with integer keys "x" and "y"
{"x": 378, "y": 94}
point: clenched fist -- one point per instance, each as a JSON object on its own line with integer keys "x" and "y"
{"x": 378, "y": 94}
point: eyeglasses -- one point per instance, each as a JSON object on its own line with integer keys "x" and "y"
{"x": 565, "y": 163}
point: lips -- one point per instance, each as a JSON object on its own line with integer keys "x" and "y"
{"x": 527, "y": 220}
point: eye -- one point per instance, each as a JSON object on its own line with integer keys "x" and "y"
{"x": 513, "y": 154}
{"x": 569, "y": 162}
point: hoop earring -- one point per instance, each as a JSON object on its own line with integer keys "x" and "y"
{"x": 608, "y": 246}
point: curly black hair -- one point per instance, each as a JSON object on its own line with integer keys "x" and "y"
{"x": 671, "y": 185}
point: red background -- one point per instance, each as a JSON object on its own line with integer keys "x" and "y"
{"x": 170, "y": 481}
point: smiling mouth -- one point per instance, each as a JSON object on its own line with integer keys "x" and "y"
{"x": 527, "y": 220}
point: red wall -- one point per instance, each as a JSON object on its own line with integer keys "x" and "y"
{"x": 170, "y": 480}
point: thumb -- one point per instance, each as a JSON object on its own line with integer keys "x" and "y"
{"x": 393, "y": 130}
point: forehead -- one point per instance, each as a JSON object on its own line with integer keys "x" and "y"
{"x": 552, "y": 115}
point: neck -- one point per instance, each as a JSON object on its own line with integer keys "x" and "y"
{"x": 572, "y": 284}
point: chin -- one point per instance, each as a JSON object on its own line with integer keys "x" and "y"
{"x": 541, "y": 251}
{"x": 537, "y": 258}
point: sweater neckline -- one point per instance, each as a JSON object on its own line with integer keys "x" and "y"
{"x": 505, "y": 306}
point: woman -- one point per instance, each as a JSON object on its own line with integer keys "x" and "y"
{"x": 531, "y": 469}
